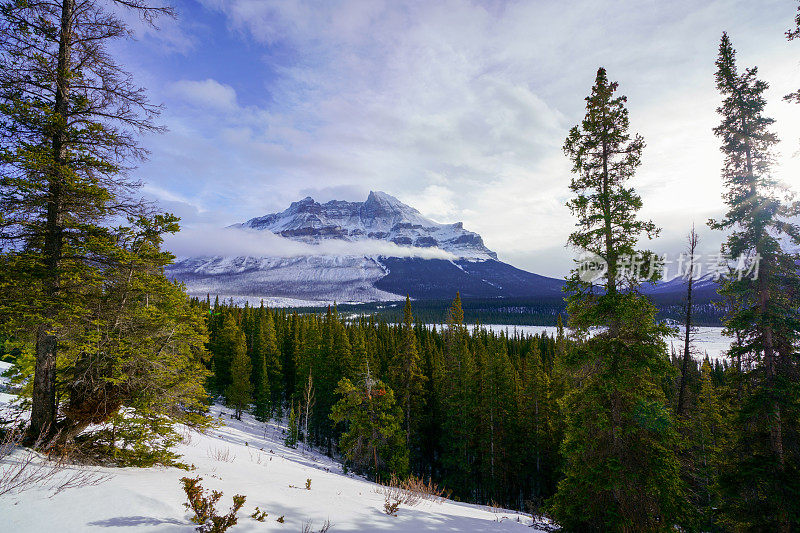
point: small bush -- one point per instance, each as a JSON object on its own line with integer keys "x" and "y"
{"x": 204, "y": 507}
{"x": 308, "y": 484}
{"x": 259, "y": 515}
{"x": 410, "y": 491}
{"x": 218, "y": 454}
{"x": 428, "y": 491}
{"x": 392, "y": 503}
{"x": 281, "y": 519}
{"x": 308, "y": 527}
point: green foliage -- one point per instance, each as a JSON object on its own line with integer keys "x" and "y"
{"x": 259, "y": 515}
{"x": 204, "y": 507}
{"x": 405, "y": 374}
{"x": 764, "y": 479}
{"x": 502, "y": 449}
{"x": 69, "y": 116}
{"x": 291, "y": 437}
{"x": 620, "y": 470}
{"x": 135, "y": 439}
{"x": 604, "y": 158}
{"x": 239, "y": 391}
{"x": 373, "y": 441}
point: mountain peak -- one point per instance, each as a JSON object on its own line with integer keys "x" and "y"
{"x": 382, "y": 197}
{"x": 380, "y": 217}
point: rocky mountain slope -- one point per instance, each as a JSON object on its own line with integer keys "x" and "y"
{"x": 380, "y": 217}
{"x": 384, "y": 250}
{"x": 456, "y": 259}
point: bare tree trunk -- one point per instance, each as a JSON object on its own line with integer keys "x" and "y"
{"x": 688, "y": 337}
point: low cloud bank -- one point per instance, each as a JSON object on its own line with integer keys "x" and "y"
{"x": 234, "y": 242}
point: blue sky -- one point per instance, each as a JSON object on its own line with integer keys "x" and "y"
{"x": 457, "y": 108}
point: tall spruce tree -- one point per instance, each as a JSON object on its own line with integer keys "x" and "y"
{"x": 457, "y": 383}
{"x": 260, "y": 378}
{"x": 373, "y": 441}
{"x": 765, "y": 316}
{"x": 69, "y": 118}
{"x": 620, "y": 467}
{"x": 407, "y": 378}
{"x": 272, "y": 356}
{"x": 239, "y": 392}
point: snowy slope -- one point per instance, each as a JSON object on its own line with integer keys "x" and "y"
{"x": 259, "y": 467}
{"x": 318, "y": 278}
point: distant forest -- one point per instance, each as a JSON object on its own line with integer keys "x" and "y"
{"x": 521, "y": 311}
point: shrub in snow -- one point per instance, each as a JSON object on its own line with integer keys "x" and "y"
{"x": 410, "y": 491}
{"x": 259, "y": 515}
{"x": 204, "y": 507}
{"x": 23, "y": 469}
{"x": 326, "y": 526}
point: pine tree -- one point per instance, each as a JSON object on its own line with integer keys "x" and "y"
{"x": 260, "y": 378}
{"x": 709, "y": 436}
{"x": 536, "y": 414}
{"x": 223, "y": 348}
{"x": 373, "y": 441}
{"x": 291, "y": 437}
{"x": 765, "y": 313}
{"x": 272, "y": 356}
{"x": 457, "y": 384}
{"x": 69, "y": 116}
{"x": 239, "y": 392}
{"x": 620, "y": 465}
{"x": 406, "y": 375}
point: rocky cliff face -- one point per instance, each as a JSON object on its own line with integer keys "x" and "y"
{"x": 380, "y": 217}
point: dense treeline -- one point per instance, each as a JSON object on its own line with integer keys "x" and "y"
{"x": 479, "y": 412}
{"x": 525, "y": 311}
{"x": 472, "y": 409}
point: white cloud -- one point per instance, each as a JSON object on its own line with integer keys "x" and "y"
{"x": 460, "y": 109}
{"x": 212, "y": 241}
{"x": 207, "y": 93}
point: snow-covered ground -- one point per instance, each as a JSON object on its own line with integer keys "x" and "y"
{"x": 241, "y": 458}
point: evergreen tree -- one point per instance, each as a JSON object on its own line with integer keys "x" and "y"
{"x": 239, "y": 392}
{"x": 456, "y": 383}
{"x": 260, "y": 379}
{"x": 765, "y": 316}
{"x": 291, "y": 437}
{"x": 272, "y": 357}
{"x": 406, "y": 376}
{"x": 69, "y": 116}
{"x": 621, "y": 470}
{"x": 709, "y": 434}
{"x": 224, "y": 348}
{"x": 373, "y": 441}
{"x": 536, "y": 415}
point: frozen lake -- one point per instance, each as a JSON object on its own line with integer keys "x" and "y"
{"x": 707, "y": 340}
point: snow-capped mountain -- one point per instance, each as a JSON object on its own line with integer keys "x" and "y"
{"x": 465, "y": 264}
{"x": 380, "y": 217}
